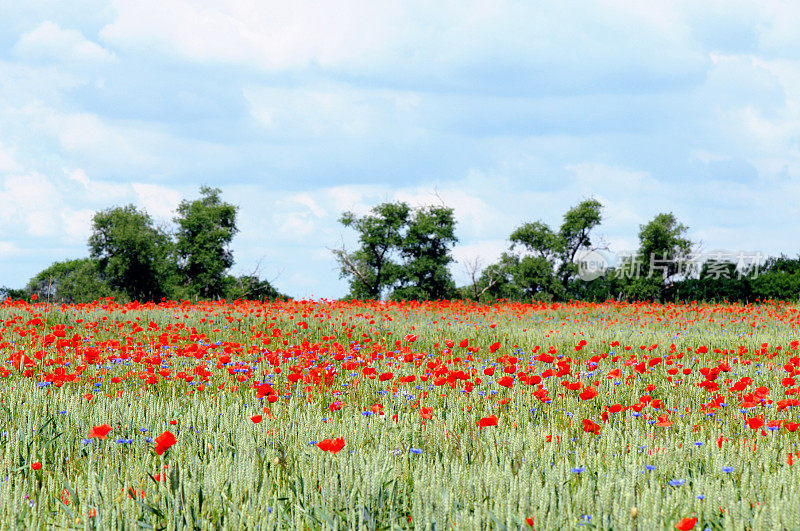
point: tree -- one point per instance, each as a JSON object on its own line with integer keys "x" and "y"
{"x": 13, "y": 293}
{"x": 663, "y": 252}
{"x": 404, "y": 253}
{"x": 547, "y": 266}
{"x": 779, "y": 279}
{"x": 206, "y": 227}
{"x": 373, "y": 268}
{"x": 426, "y": 248}
{"x": 574, "y": 236}
{"x": 132, "y": 254}
{"x": 72, "y": 281}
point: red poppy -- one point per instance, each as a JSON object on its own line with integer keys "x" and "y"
{"x": 99, "y": 432}
{"x": 164, "y": 442}
{"x": 506, "y": 381}
{"x": 36, "y": 466}
{"x": 494, "y": 346}
{"x": 331, "y": 445}
{"x": 256, "y": 419}
{"x": 686, "y": 524}
{"x": 791, "y": 426}
{"x": 588, "y": 393}
{"x": 755, "y": 422}
{"x": 591, "y": 427}
{"x": 487, "y": 421}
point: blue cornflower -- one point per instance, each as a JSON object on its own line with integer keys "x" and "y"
{"x": 676, "y": 482}
{"x": 415, "y": 450}
{"x": 579, "y": 469}
{"x": 727, "y": 469}
{"x": 650, "y": 467}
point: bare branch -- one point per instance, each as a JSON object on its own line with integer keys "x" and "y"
{"x": 341, "y": 254}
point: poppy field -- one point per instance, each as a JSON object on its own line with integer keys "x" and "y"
{"x": 378, "y": 415}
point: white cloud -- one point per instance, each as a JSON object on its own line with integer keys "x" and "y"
{"x": 331, "y": 110}
{"x": 50, "y": 42}
{"x": 275, "y": 35}
{"x": 455, "y": 45}
{"x": 7, "y": 162}
{"x": 159, "y": 201}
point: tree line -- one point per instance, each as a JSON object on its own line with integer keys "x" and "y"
{"x": 131, "y": 258}
{"x": 405, "y": 253}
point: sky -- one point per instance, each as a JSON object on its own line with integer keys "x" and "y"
{"x": 508, "y": 112}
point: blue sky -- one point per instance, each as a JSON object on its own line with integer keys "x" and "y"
{"x": 506, "y": 111}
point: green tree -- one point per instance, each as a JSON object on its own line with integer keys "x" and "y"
{"x": 72, "y": 281}
{"x": 13, "y": 293}
{"x": 205, "y": 229}
{"x": 547, "y": 265}
{"x": 778, "y": 279}
{"x": 663, "y": 252}
{"x": 574, "y": 236}
{"x": 426, "y": 248}
{"x": 403, "y": 253}
{"x": 132, "y": 254}
{"x": 374, "y": 267}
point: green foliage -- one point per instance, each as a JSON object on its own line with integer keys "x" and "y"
{"x": 544, "y": 267}
{"x": 425, "y": 249}
{"x": 403, "y": 253}
{"x": 206, "y": 227}
{"x": 574, "y": 236}
{"x": 663, "y": 240}
{"x": 16, "y": 294}
{"x": 779, "y": 279}
{"x": 72, "y": 281}
{"x": 373, "y": 268}
{"x": 132, "y": 254}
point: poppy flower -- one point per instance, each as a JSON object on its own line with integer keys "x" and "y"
{"x": 591, "y": 427}
{"x": 686, "y": 524}
{"x": 487, "y": 421}
{"x": 506, "y": 381}
{"x": 755, "y": 422}
{"x": 588, "y": 393}
{"x": 791, "y": 426}
{"x": 164, "y": 442}
{"x": 99, "y": 432}
{"x": 256, "y": 419}
{"x": 331, "y": 445}
{"x": 36, "y": 466}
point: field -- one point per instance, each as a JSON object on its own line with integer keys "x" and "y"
{"x": 415, "y": 415}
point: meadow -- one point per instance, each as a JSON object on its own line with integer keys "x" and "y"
{"x": 318, "y": 414}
